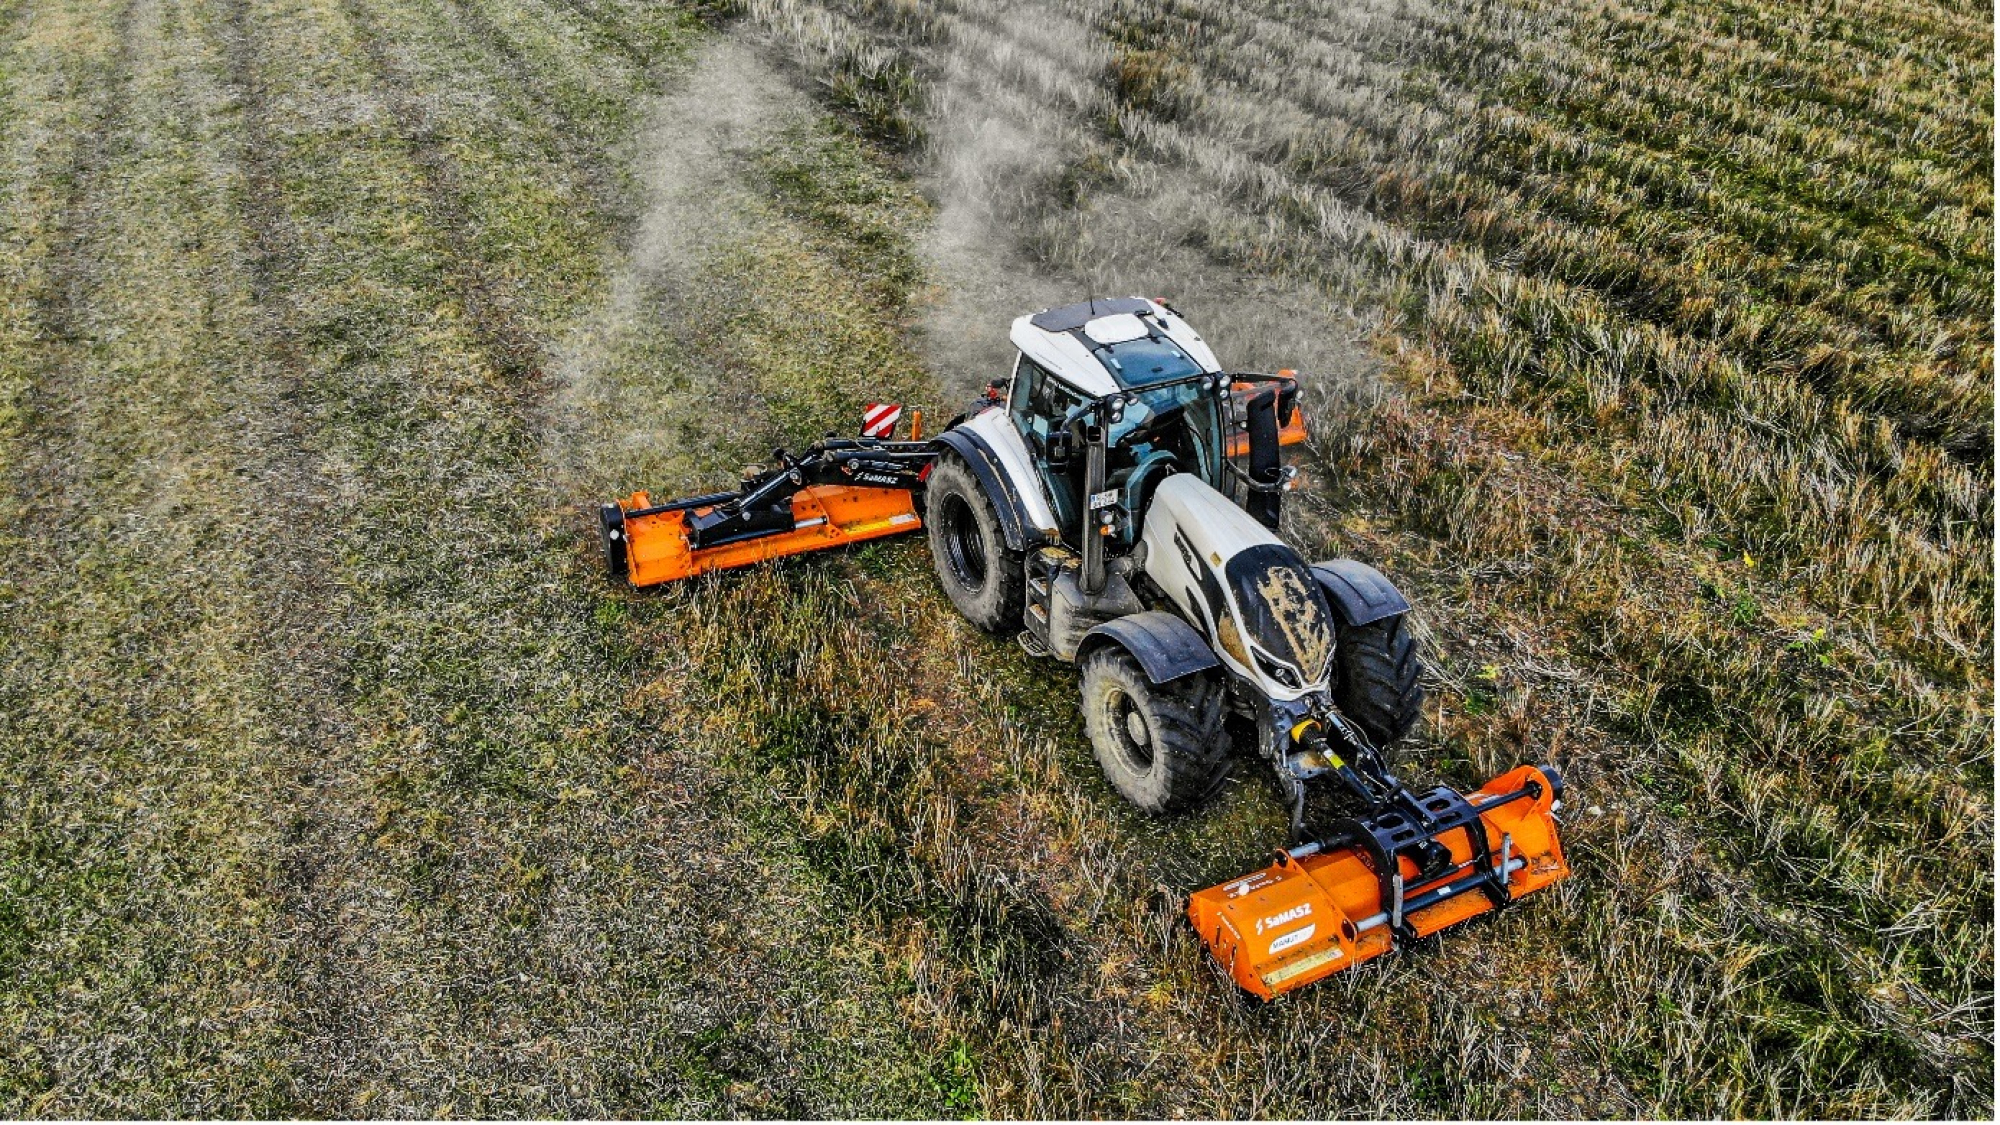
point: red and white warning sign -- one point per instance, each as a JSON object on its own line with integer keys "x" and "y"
{"x": 880, "y": 418}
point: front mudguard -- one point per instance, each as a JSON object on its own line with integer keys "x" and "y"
{"x": 1166, "y": 647}
{"x": 1361, "y": 594}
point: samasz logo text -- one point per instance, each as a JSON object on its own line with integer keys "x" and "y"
{"x": 1279, "y": 919}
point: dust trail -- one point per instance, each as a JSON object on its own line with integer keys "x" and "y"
{"x": 994, "y": 159}
{"x": 1012, "y": 118}
{"x": 692, "y": 161}
{"x": 730, "y": 104}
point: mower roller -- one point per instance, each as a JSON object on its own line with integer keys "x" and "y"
{"x": 1114, "y": 503}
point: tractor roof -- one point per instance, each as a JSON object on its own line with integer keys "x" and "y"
{"x": 1107, "y": 344}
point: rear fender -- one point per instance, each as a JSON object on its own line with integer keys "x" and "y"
{"x": 1166, "y": 647}
{"x": 1025, "y": 518}
{"x": 1360, "y": 594}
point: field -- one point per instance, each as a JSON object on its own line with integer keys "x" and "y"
{"x": 1648, "y": 344}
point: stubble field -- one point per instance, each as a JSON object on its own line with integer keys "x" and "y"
{"x": 1649, "y": 347}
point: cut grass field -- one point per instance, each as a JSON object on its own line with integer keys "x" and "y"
{"x": 1655, "y": 359}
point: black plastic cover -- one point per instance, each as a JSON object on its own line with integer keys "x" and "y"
{"x": 1069, "y": 318}
{"x": 1166, "y": 647}
{"x": 1361, "y": 594}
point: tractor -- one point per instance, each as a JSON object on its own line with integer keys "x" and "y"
{"x": 1114, "y": 502}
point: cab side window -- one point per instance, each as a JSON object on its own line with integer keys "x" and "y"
{"x": 1029, "y": 391}
{"x": 1038, "y": 403}
{"x": 1025, "y": 371}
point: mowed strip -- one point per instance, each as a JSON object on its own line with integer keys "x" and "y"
{"x": 146, "y": 778}
{"x": 326, "y": 798}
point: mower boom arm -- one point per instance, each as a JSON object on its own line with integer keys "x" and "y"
{"x": 842, "y": 490}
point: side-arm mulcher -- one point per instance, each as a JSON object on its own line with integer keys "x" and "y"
{"x": 842, "y": 490}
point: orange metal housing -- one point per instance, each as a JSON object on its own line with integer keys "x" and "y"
{"x": 1302, "y": 919}
{"x": 823, "y": 515}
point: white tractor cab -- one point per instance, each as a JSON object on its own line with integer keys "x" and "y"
{"x": 1116, "y": 501}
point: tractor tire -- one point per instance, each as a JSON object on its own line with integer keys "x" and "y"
{"x": 985, "y": 580}
{"x": 1160, "y": 745}
{"x": 1376, "y": 673}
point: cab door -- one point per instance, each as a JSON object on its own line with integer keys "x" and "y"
{"x": 1039, "y": 405}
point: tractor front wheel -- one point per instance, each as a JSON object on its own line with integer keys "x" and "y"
{"x": 1160, "y": 745}
{"x": 1376, "y": 669}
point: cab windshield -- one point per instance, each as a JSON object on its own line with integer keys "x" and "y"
{"x": 1167, "y": 427}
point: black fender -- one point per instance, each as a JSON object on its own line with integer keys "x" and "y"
{"x": 992, "y": 478}
{"x": 1359, "y": 592}
{"x": 1166, "y": 647}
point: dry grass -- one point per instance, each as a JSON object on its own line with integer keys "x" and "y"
{"x": 1690, "y": 455}
{"x": 1654, "y": 357}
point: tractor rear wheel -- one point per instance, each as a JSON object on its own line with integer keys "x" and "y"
{"x": 984, "y": 579}
{"x": 1160, "y": 745}
{"x": 1376, "y": 669}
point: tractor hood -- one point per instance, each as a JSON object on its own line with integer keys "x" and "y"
{"x": 1241, "y": 586}
{"x": 1282, "y": 613}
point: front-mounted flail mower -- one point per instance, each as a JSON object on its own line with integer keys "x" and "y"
{"x": 1114, "y": 503}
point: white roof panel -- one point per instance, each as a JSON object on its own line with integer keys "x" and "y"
{"x": 1107, "y": 321}
{"x": 1115, "y": 329}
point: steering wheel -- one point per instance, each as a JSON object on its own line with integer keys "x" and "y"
{"x": 1159, "y": 421}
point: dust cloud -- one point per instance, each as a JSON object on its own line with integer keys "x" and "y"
{"x": 692, "y": 161}
{"x": 1034, "y": 207}
{"x": 1014, "y": 113}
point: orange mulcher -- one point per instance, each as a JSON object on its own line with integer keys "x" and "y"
{"x": 842, "y": 490}
{"x": 1411, "y": 867}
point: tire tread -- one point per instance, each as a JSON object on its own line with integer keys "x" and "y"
{"x": 996, "y": 608}
{"x": 1187, "y": 723}
{"x": 1378, "y": 679}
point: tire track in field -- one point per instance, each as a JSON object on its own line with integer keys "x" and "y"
{"x": 553, "y": 122}
{"x": 45, "y": 480}
{"x": 51, "y": 407}
{"x": 310, "y": 613}
{"x": 507, "y": 346}
{"x": 350, "y": 990}
{"x": 604, "y": 27}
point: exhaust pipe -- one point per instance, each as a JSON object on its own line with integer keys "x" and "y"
{"x": 1094, "y": 436}
{"x": 1266, "y": 472}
